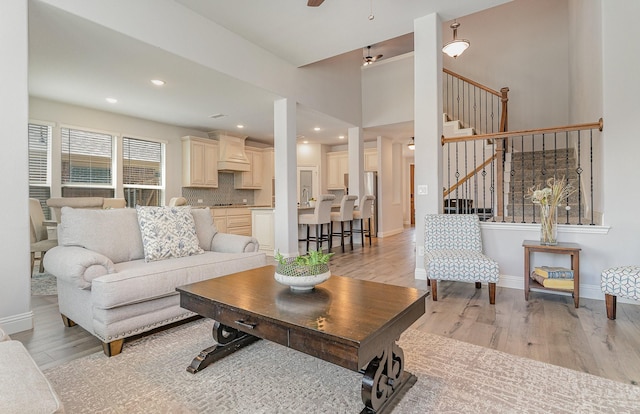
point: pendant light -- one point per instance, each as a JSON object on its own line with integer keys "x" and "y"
{"x": 411, "y": 145}
{"x": 455, "y": 47}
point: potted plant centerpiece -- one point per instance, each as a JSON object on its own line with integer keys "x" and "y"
{"x": 302, "y": 273}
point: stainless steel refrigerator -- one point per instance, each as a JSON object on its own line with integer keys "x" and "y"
{"x": 371, "y": 188}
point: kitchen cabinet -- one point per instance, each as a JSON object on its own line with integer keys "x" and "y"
{"x": 199, "y": 162}
{"x": 337, "y": 167}
{"x": 220, "y": 219}
{"x": 252, "y": 179}
{"x": 262, "y": 220}
{"x": 371, "y": 159}
{"x": 232, "y": 220}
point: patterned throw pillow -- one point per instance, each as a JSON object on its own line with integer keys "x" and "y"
{"x": 167, "y": 232}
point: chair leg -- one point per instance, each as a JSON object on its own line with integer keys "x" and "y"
{"x": 369, "y": 230}
{"x": 33, "y": 262}
{"x": 610, "y": 300}
{"x": 351, "y": 234}
{"x": 492, "y": 293}
{"x": 342, "y": 235}
{"x": 434, "y": 289}
{"x": 42, "y": 262}
{"x": 318, "y": 236}
{"x": 478, "y": 285}
{"x": 362, "y": 230}
{"x": 308, "y": 229}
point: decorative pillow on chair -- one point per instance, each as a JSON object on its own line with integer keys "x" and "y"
{"x": 167, "y": 232}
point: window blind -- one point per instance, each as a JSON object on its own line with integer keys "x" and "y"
{"x": 86, "y": 157}
{"x": 142, "y": 162}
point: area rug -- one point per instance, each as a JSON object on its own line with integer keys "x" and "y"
{"x": 43, "y": 284}
{"x": 453, "y": 377}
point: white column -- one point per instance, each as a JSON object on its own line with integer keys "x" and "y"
{"x": 356, "y": 161}
{"x": 15, "y": 280}
{"x": 427, "y": 125}
{"x": 285, "y": 159}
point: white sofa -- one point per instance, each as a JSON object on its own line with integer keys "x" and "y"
{"x": 106, "y": 285}
{"x": 24, "y": 388}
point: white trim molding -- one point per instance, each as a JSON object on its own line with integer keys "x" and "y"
{"x": 17, "y": 323}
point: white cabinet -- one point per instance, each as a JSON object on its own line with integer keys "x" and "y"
{"x": 371, "y": 159}
{"x": 232, "y": 220}
{"x": 253, "y": 178}
{"x": 337, "y": 167}
{"x": 199, "y": 162}
{"x": 263, "y": 229}
{"x": 220, "y": 219}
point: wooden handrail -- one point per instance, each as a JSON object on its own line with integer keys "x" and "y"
{"x": 501, "y": 135}
{"x": 474, "y": 83}
{"x": 471, "y": 174}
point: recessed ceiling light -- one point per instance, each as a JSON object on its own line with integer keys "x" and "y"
{"x": 111, "y": 100}
{"x": 305, "y": 142}
{"x": 240, "y": 126}
{"x": 316, "y": 129}
{"x": 341, "y": 137}
{"x": 158, "y": 82}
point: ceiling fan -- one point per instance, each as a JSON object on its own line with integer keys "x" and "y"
{"x": 314, "y": 3}
{"x": 369, "y": 59}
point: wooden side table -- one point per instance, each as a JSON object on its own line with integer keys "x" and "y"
{"x": 572, "y": 249}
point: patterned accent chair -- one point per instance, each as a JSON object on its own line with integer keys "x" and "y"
{"x": 621, "y": 281}
{"x": 453, "y": 251}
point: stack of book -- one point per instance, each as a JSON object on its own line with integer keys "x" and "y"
{"x": 553, "y": 277}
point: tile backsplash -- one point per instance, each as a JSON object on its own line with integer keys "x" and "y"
{"x": 224, "y": 194}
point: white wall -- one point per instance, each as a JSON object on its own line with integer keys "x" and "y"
{"x": 585, "y": 81}
{"x": 61, "y": 113}
{"x": 523, "y": 45}
{"x": 390, "y": 220}
{"x": 15, "y": 279}
{"x": 387, "y": 91}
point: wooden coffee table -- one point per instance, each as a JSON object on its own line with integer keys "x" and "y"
{"x": 352, "y": 323}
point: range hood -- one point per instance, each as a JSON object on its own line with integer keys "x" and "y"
{"x": 232, "y": 157}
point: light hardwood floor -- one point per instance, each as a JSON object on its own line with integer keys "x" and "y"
{"x": 546, "y": 328}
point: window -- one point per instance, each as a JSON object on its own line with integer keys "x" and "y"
{"x": 142, "y": 171}
{"x": 39, "y": 160}
{"x": 86, "y": 163}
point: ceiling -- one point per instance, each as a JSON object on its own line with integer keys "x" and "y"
{"x": 80, "y": 62}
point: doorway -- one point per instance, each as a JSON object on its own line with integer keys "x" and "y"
{"x": 412, "y": 211}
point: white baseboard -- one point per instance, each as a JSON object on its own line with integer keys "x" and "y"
{"x": 17, "y": 323}
{"x": 390, "y": 232}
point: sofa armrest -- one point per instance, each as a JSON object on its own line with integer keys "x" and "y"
{"x": 233, "y": 243}
{"x": 77, "y": 265}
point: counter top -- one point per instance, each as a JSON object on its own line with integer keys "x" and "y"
{"x": 233, "y": 206}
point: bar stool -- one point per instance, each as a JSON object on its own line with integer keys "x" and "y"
{"x": 364, "y": 211}
{"x": 321, "y": 216}
{"x": 345, "y": 215}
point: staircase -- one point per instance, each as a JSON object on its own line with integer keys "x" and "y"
{"x": 524, "y": 170}
{"x": 454, "y": 128}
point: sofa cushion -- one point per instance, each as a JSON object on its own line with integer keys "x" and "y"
{"x": 205, "y": 228}
{"x": 137, "y": 281}
{"x": 167, "y": 232}
{"x": 113, "y": 233}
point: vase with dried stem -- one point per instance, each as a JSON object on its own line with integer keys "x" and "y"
{"x": 549, "y": 198}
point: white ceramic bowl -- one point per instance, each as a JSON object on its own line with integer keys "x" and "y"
{"x": 302, "y": 283}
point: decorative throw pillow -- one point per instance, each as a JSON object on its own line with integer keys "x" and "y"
{"x": 167, "y": 232}
{"x": 205, "y": 228}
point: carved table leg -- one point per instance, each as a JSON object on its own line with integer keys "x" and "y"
{"x": 385, "y": 380}
{"x": 228, "y": 340}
